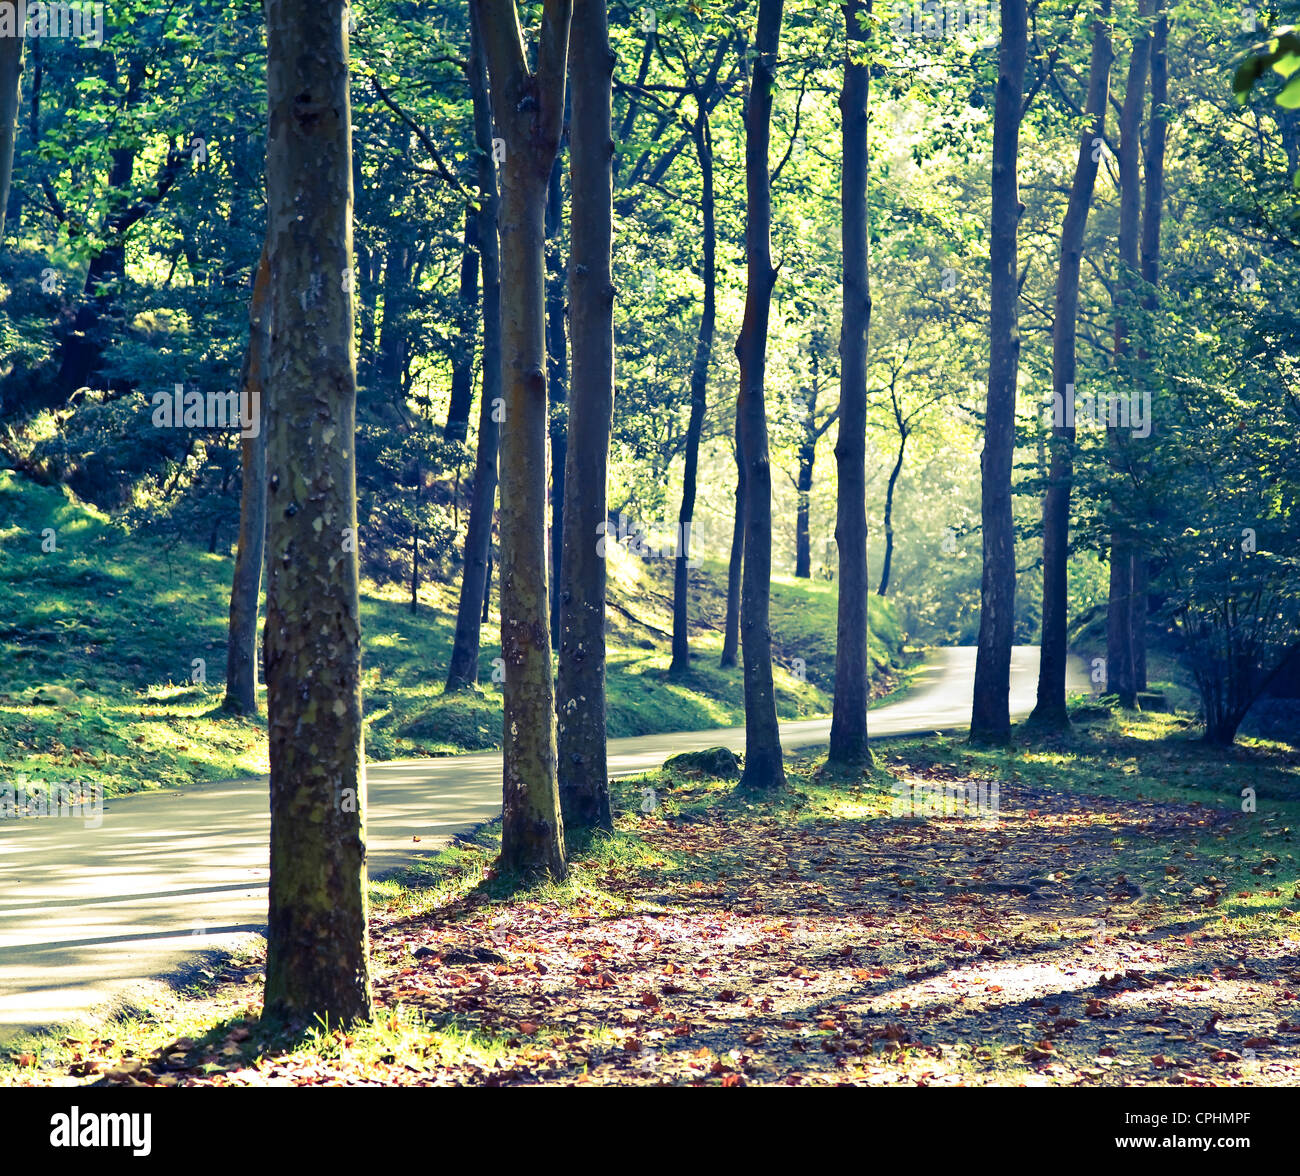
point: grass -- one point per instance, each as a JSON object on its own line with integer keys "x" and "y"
{"x": 807, "y": 937}
{"x": 103, "y": 635}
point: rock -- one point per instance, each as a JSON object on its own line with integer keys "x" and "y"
{"x": 712, "y": 761}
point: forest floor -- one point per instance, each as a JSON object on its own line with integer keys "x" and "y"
{"x": 101, "y": 638}
{"x": 1128, "y": 917}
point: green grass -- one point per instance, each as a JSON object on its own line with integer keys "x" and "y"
{"x": 102, "y": 637}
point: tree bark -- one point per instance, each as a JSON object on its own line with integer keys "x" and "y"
{"x": 849, "y": 744}
{"x": 1121, "y": 670}
{"x": 887, "y": 563}
{"x": 681, "y": 662}
{"x": 529, "y": 109}
{"x": 462, "y": 367}
{"x": 245, "y": 590}
{"x": 11, "y": 75}
{"x": 1049, "y": 711}
{"x": 1152, "y": 214}
{"x": 764, "y": 768}
{"x": 804, "y": 482}
{"x": 735, "y": 565}
{"x": 990, "y": 712}
{"x": 557, "y": 376}
{"x": 471, "y": 612}
{"x": 580, "y": 693}
{"x": 317, "y": 941}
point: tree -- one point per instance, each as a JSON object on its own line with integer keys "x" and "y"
{"x": 1125, "y": 583}
{"x": 462, "y": 670}
{"x": 990, "y": 713}
{"x": 763, "y": 763}
{"x": 11, "y": 75}
{"x": 246, "y": 586}
{"x": 529, "y": 109}
{"x": 1050, "y": 709}
{"x": 317, "y": 941}
{"x": 681, "y": 662}
{"x": 849, "y": 709}
{"x": 580, "y": 692}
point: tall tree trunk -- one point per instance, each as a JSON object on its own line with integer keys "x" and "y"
{"x": 11, "y": 74}
{"x": 317, "y": 962}
{"x": 887, "y": 563}
{"x": 736, "y": 564}
{"x": 462, "y": 367}
{"x": 849, "y": 710}
{"x": 990, "y": 712}
{"x": 557, "y": 375}
{"x": 1152, "y": 214}
{"x": 1121, "y": 671}
{"x": 764, "y": 768}
{"x": 804, "y": 482}
{"x": 1049, "y": 711}
{"x": 529, "y": 109}
{"x": 580, "y": 693}
{"x": 681, "y": 662}
{"x": 245, "y": 590}
{"x": 472, "y": 610}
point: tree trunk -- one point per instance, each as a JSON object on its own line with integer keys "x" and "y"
{"x": 472, "y": 610}
{"x": 462, "y": 367}
{"x": 317, "y": 963}
{"x": 990, "y": 712}
{"x": 681, "y": 662}
{"x": 803, "y": 486}
{"x": 1152, "y": 214}
{"x": 11, "y": 74}
{"x": 529, "y": 109}
{"x": 580, "y": 693}
{"x": 735, "y": 565}
{"x": 1121, "y": 670}
{"x": 886, "y": 565}
{"x": 1049, "y": 711}
{"x": 764, "y": 768}
{"x": 245, "y": 590}
{"x": 849, "y": 710}
{"x": 557, "y": 375}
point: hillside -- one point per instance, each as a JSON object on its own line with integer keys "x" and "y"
{"x": 102, "y": 636}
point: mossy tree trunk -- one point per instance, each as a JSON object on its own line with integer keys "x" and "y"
{"x": 1049, "y": 711}
{"x": 317, "y": 943}
{"x": 681, "y": 662}
{"x": 472, "y": 609}
{"x": 764, "y": 768}
{"x": 1121, "y": 668}
{"x": 849, "y": 710}
{"x": 583, "y": 778}
{"x": 11, "y": 72}
{"x": 529, "y": 109}
{"x": 246, "y": 587}
{"x": 991, "y": 708}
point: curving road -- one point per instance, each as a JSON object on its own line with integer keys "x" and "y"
{"x": 91, "y": 917}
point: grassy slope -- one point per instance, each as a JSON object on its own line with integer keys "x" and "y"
{"x": 98, "y": 640}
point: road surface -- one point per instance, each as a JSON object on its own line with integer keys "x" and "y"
{"x": 91, "y": 917}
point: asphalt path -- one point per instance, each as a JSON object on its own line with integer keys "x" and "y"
{"x": 92, "y": 917}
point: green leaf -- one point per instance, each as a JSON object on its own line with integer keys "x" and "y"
{"x": 1290, "y": 97}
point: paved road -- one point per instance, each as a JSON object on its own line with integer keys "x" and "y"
{"x": 91, "y": 916}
